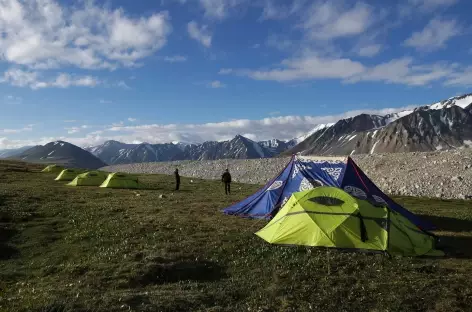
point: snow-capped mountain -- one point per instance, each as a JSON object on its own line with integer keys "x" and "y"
{"x": 146, "y": 152}
{"x": 443, "y": 125}
{"x": 309, "y": 133}
{"x": 113, "y": 152}
{"x": 109, "y": 150}
{"x": 276, "y": 146}
{"x": 239, "y": 148}
{"x": 63, "y": 153}
{"x": 463, "y": 101}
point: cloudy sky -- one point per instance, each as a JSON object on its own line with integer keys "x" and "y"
{"x": 193, "y": 70}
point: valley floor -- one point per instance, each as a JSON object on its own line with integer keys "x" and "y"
{"x": 91, "y": 249}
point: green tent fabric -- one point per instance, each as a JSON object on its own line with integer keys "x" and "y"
{"x": 91, "y": 178}
{"x": 53, "y": 169}
{"x": 121, "y": 180}
{"x": 68, "y": 174}
{"x": 330, "y": 217}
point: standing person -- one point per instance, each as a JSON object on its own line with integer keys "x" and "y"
{"x": 226, "y": 179}
{"x": 177, "y": 179}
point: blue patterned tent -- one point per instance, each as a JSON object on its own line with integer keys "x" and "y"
{"x": 303, "y": 173}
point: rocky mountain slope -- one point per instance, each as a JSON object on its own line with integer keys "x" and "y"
{"x": 440, "y": 174}
{"x": 443, "y": 125}
{"x": 63, "y": 153}
{"x": 14, "y": 151}
{"x": 113, "y": 152}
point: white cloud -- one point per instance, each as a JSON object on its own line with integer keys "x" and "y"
{"x": 200, "y": 34}
{"x": 34, "y": 80}
{"x": 327, "y": 20}
{"x": 404, "y": 71}
{"x": 12, "y": 99}
{"x": 122, "y": 84}
{"x": 27, "y": 128}
{"x": 368, "y": 50}
{"x": 460, "y": 78}
{"x": 273, "y": 11}
{"x": 279, "y": 42}
{"x": 175, "y": 58}
{"x": 118, "y": 124}
{"x": 102, "y": 101}
{"x": 73, "y": 130}
{"x": 399, "y": 71}
{"x": 434, "y": 36}
{"x": 225, "y": 71}
{"x": 219, "y": 8}
{"x": 307, "y": 68}
{"x": 43, "y": 34}
{"x": 216, "y": 84}
{"x": 132, "y": 119}
{"x": 430, "y": 5}
{"x": 281, "y": 127}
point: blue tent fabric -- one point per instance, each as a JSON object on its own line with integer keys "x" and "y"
{"x": 302, "y": 174}
{"x": 261, "y": 204}
{"x": 359, "y": 185}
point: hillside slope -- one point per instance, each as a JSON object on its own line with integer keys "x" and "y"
{"x": 443, "y": 125}
{"x": 63, "y": 153}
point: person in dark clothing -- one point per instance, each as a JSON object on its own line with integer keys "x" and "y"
{"x": 177, "y": 179}
{"x": 226, "y": 179}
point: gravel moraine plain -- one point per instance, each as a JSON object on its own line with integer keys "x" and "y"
{"x": 439, "y": 174}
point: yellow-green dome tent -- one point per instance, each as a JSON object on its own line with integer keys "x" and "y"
{"x": 121, "y": 180}
{"x": 330, "y": 217}
{"x": 90, "y": 178}
{"x": 53, "y": 169}
{"x": 68, "y": 174}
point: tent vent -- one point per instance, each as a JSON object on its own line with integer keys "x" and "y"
{"x": 327, "y": 201}
{"x": 376, "y": 203}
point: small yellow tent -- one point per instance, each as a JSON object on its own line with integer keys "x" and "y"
{"x": 91, "y": 178}
{"x": 330, "y": 217}
{"x": 53, "y": 169}
{"x": 121, "y": 180}
{"x": 68, "y": 174}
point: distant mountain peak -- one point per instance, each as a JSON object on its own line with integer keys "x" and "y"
{"x": 445, "y": 124}
{"x": 61, "y": 152}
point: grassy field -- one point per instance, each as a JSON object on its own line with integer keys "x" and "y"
{"x": 92, "y": 249}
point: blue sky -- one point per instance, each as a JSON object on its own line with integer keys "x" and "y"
{"x": 193, "y": 70}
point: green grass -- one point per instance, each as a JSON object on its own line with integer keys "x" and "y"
{"x": 91, "y": 249}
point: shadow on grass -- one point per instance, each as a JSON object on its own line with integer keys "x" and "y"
{"x": 6, "y": 251}
{"x": 3, "y": 200}
{"x": 164, "y": 271}
{"x": 449, "y": 224}
{"x": 456, "y": 246}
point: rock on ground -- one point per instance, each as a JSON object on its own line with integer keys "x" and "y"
{"x": 443, "y": 174}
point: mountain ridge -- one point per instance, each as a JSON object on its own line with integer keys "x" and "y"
{"x": 446, "y": 124}
{"x": 240, "y": 147}
{"x": 424, "y": 128}
{"x": 61, "y": 153}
